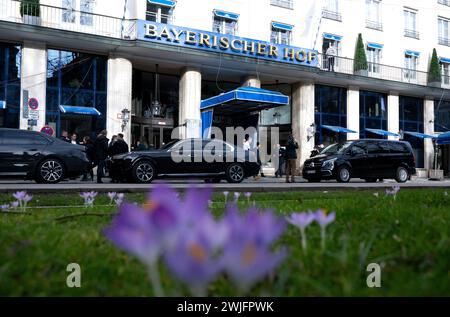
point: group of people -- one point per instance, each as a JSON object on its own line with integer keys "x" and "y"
{"x": 98, "y": 151}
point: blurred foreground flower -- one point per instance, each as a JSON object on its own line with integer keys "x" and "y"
{"x": 225, "y": 193}
{"x": 111, "y": 196}
{"x": 89, "y": 198}
{"x": 324, "y": 219}
{"x": 195, "y": 246}
{"x": 4, "y": 207}
{"x": 301, "y": 221}
{"x": 248, "y": 195}
{"x": 393, "y": 191}
{"x": 23, "y": 199}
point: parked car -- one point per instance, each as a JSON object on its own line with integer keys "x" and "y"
{"x": 33, "y": 155}
{"x": 370, "y": 160}
{"x": 191, "y": 158}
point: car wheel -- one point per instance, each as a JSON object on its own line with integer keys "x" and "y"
{"x": 343, "y": 174}
{"x": 235, "y": 173}
{"x": 143, "y": 172}
{"x": 50, "y": 171}
{"x": 371, "y": 180}
{"x": 402, "y": 175}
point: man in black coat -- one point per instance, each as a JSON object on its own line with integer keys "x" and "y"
{"x": 291, "y": 158}
{"x": 101, "y": 154}
{"x": 118, "y": 147}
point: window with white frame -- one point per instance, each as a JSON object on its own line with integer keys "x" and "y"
{"x": 288, "y": 4}
{"x": 373, "y": 15}
{"x": 158, "y": 13}
{"x": 374, "y": 58}
{"x": 224, "y": 25}
{"x": 86, "y": 8}
{"x": 71, "y": 9}
{"x": 444, "y": 2}
{"x": 445, "y": 71}
{"x": 443, "y": 31}
{"x": 334, "y": 41}
{"x": 410, "y": 17}
{"x": 331, "y": 10}
{"x": 68, "y": 11}
{"x": 281, "y": 35}
{"x": 411, "y": 63}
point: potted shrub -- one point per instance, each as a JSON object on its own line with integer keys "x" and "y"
{"x": 30, "y": 11}
{"x": 360, "y": 61}
{"x": 434, "y": 72}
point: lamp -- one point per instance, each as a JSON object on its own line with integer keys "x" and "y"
{"x": 311, "y": 131}
{"x": 125, "y": 118}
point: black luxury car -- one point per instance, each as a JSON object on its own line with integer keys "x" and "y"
{"x": 370, "y": 160}
{"x": 191, "y": 158}
{"x": 34, "y": 155}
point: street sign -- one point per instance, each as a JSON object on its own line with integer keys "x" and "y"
{"x": 32, "y": 122}
{"x": 33, "y": 103}
{"x": 33, "y": 114}
{"x": 47, "y": 130}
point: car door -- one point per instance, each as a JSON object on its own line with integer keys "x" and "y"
{"x": 179, "y": 158}
{"x": 23, "y": 150}
{"x": 359, "y": 160}
{"x": 5, "y": 153}
{"x": 214, "y": 156}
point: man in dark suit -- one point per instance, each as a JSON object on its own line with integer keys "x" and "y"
{"x": 291, "y": 158}
{"x": 101, "y": 154}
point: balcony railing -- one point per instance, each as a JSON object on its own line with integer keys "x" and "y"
{"x": 444, "y": 41}
{"x": 411, "y": 33}
{"x": 345, "y": 65}
{"x": 444, "y": 2}
{"x": 375, "y": 25}
{"x": 288, "y": 4}
{"x": 162, "y": 18}
{"x": 332, "y": 15}
{"x": 66, "y": 19}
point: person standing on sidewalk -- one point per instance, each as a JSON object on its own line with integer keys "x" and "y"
{"x": 101, "y": 154}
{"x": 291, "y": 158}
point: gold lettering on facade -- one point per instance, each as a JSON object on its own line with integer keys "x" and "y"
{"x": 205, "y": 40}
{"x": 190, "y": 37}
{"x": 273, "y": 51}
{"x": 234, "y": 43}
{"x": 224, "y": 43}
{"x": 262, "y": 49}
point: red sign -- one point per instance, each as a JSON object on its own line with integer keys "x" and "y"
{"x": 47, "y": 130}
{"x": 33, "y": 104}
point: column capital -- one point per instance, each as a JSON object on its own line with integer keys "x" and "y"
{"x": 393, "y": 93}
{"x": 34, "y": 44}
{"x": 191, "y": 68}
{"x": 356, "y": 88}
{"x": 429, "y": 98}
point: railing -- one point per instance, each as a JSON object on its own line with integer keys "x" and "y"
{"x": 332, "y": 15}
{"x": 288, "y": 4}
{"x": 375, "y": 25}
{"x": 160, "y": 18}
{"x": 444, "y": 2}
{"x": 444, "y": 41}
{"x": 412, "y": 33}
{"x": 66, "y": 19}
{"x": 346, "y": 66}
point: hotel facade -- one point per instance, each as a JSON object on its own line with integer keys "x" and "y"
{"x": 144, "y": 67}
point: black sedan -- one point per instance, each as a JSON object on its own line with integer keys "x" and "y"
{"x": 191, "y": 158}
{"x": 33, "y": 155}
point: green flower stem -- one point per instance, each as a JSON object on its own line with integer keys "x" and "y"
{"x": 153, "y": 274}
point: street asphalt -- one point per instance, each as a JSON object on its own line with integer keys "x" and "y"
{"x": 265, "y": 184}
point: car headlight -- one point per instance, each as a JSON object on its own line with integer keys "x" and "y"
{"x": 328, "y": 165}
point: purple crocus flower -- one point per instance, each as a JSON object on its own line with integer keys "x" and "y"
{"x": 20, "y": 195}
{"x": 225, "y": 193}
{"x": 89, "y": 198}
{"x": 236, "y": 196}
{"x": 301, "y": 221}
{"x": 324, "y": 220}
{"x": 111, "y": 196}
{"x": 27, "y": 199}
{"x": 119, "y": 198}
{"x": 393, "y": 191}
{"x": 4, "y": 207}
{"x": 15, "y": 205}
{"x": 248, "y": 195}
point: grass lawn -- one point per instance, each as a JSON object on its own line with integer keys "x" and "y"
{"x": 409, "y": 238}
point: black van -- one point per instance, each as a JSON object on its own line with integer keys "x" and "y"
{"x": 371, "y": 160}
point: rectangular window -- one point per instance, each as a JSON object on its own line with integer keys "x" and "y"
{"x": 224, "y": 26}
{"x": 411, "y": 62}
{"x": 160, "y": 14}
{"x": 374, "y": 59}
{"x": 288, "y": 4}
{"x": 331, "y": 10}
{"x": 68, "y": 11}
{"x": 443, "y": 31}
{"x": 444, "y": 2}
{"x": 281, "y": 33}
{"x": 86, "y": 8}
{"x": 445, "y": 71}
{"x": 410, "y": 17}
{"x": 373, "y": 15}
{"x": 331, "y": 49}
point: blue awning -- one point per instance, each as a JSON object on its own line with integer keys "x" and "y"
{"x": 80, "y": 110}
{"x": 226, "y": 15}
{"x": 332, "y": 37}
{"x": 412, "y": 53}
{"x": 2, "y": 104}
{"x": 164, "y": 3}
{"x": 244, "y": 99}
{"x": 444, "y": 138}
{"x": 419, "y": 135}
{"x": 338, "y": 129}
{"x": 207, "y": 118}
{"x": 382, "y": 132}
{"x": 282, "y": 26}
{"x": 444, "y": 60}
{"x": 375, "y": 45}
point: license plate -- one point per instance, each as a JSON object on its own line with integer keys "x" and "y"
{"x": 310, "y": 172}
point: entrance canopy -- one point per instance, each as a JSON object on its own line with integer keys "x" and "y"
{"x": 338, "y": 129}
{"x": 420, "y": 135}
{"x": 244, "y": 99}
{"x": 80, "y": 110}
{"x": 444, "y": 138}
{"x": 382, "y": 132}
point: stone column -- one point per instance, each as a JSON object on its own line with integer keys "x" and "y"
{"x": 120, "y": 73}
{"x": 353, "y": 112}
{"x": 190, "y": 99}
{"x": 393, "y": 114}
{"x": 251, "y": 81}
{"x": 303, "y": 119}
{"x": 428, "y": 127}
{"x": 33, "y": 83}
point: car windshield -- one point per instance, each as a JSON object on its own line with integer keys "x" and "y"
{"x": 170, "y": 144}
{"x": 337, "y": 148}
